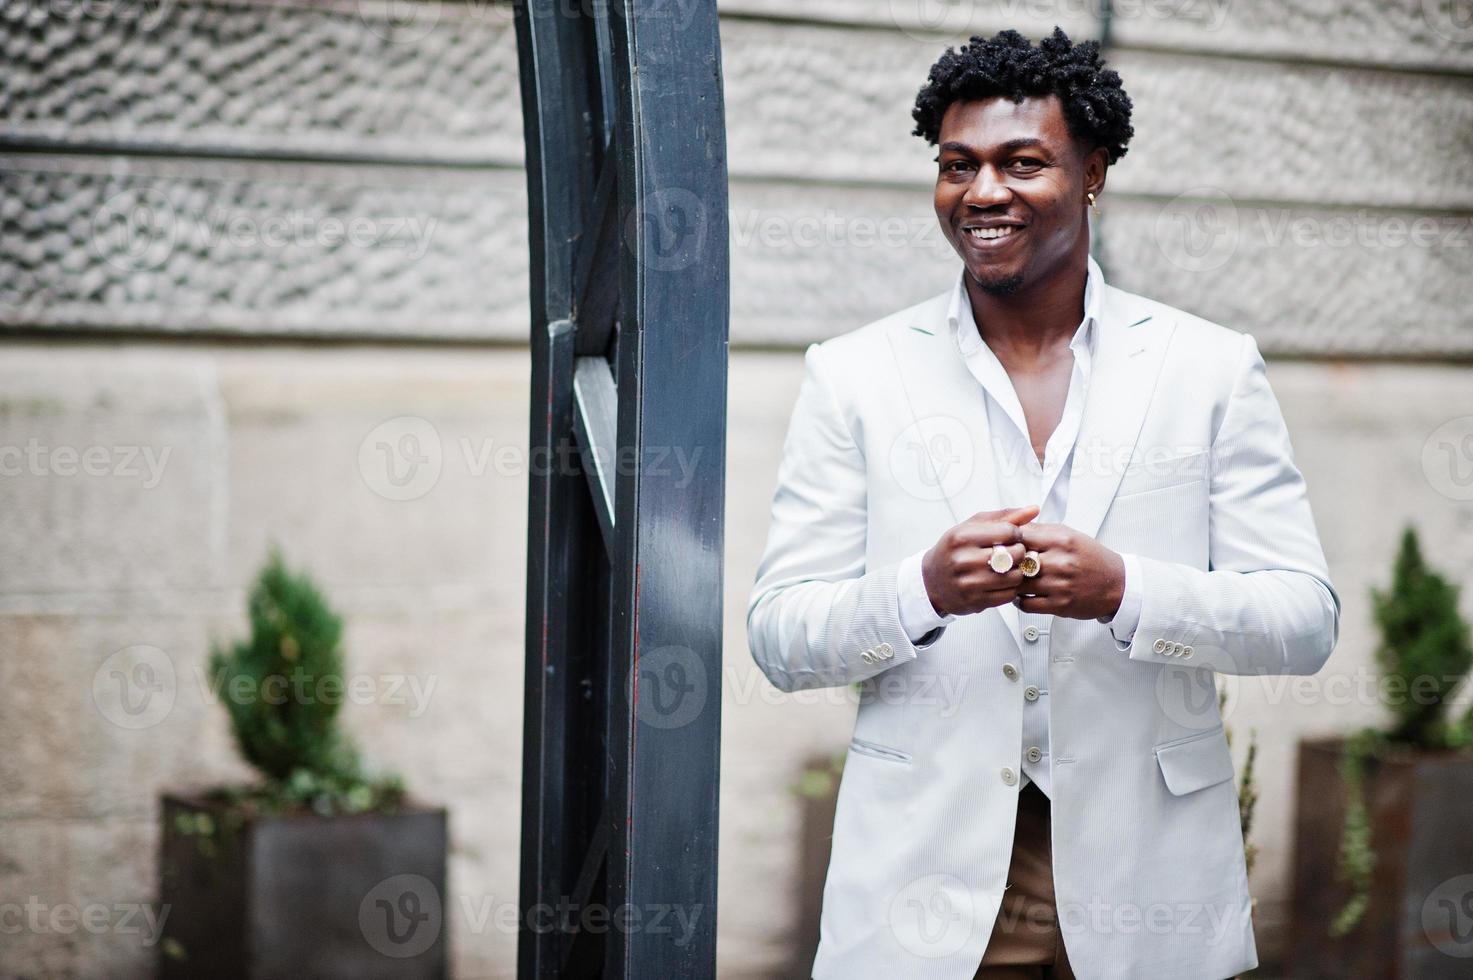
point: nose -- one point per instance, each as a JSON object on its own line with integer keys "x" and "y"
{"x": 986, "y": 190}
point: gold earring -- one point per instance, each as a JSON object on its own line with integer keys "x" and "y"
{"x": 1092, "y": 206}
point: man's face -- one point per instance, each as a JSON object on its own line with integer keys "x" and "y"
{"x": 1010, "y": 189}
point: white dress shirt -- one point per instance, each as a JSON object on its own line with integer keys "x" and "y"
{"x": 1023, "y": 480}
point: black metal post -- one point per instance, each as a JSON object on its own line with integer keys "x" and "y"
{"x": 626, "y": 178}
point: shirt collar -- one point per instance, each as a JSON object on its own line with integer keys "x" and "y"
{"x": 964, "y": 328}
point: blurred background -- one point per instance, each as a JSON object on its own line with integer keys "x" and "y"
{"x": 263, "y": 279}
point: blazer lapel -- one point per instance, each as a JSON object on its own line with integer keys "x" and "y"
{"x": 1127, "y": 363}
{"x": 948, "y": 425}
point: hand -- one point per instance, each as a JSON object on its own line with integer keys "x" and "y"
{"x": 955, "y": 571}
{"x": 1079, "y": 578}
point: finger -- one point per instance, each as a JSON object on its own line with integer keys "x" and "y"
{"x": 1021, "y": 515}
{"x": 1016, "y": 550}
{"x": 985, "y": 534}
{"x": 996, "y": 598}
{"x": 1012, "y": 515}
{"x": 1041, "y": 536}
{"x": 979, "y": 562}
{"x": 1048, "y": 605}
{"x": 989, "y": 581}
{"x": 1044, "y": 584}
{"x": 989, "y": 600}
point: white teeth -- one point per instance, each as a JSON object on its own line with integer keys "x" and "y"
{"x": 991, "y": 233}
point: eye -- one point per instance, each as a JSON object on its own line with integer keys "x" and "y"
{"x": 1026, "y": 163}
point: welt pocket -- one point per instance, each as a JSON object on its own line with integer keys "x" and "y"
{"x": 875, "y": 749}
{"x": 1163, "y": 474}
{"x": 1189, "y": 737}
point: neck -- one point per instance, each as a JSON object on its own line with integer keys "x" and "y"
{"x": 1039, "y": 318}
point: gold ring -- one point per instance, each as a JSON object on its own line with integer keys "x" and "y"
{"x": 1001, "y": 560}
{"x": 1030, "y": 565}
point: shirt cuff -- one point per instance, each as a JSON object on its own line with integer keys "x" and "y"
{"x": 1123, "y": 624}
{"x": 918, "y": 617}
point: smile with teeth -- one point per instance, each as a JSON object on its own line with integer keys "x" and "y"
{"x": 989, "y": 234}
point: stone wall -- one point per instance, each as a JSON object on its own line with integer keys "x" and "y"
{"x": 281, "y": 168}
{"x": 238, "y": 238}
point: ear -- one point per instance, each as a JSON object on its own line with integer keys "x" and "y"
{"x": 1096, "y": 163}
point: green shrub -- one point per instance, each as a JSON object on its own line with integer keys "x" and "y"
{"x": 1424, "y": 649}
{"x": 1425, "y": 653}
{"x": 283, "y": 688}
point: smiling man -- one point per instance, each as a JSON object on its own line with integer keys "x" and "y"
{"x": 1067, "y": 508}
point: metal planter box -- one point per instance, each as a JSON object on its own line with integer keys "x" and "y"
{"x": 1420, "y": 920}
{"x": 267, "y": 896}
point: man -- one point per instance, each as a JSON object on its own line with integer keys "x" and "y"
{"x": 1033, "y": 517}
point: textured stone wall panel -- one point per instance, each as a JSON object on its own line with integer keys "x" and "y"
{"x": 1308, "y": 134}
{"x": 1430, "y": 34}
{"x": 271, "y": 249}
{"x": 808, "y": 262}
{"x": 812, "y": 262}
{"x": 1420, "y": 34}
{"x": 436, "y": 82}
{"x": 250, "y": 77}
{"x": 1304, "y": 281}
{"x": 799, "y": 107}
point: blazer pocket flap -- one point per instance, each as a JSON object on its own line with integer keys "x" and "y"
{"x": 1196, "y": 763}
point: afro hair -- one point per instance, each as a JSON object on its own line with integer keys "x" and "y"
{"x": 1096, "y": 108}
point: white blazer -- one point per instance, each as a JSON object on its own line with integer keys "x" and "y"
{"x": 1182, "y": 460}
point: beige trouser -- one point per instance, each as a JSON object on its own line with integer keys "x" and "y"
{"x": 1025, "y": 943}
